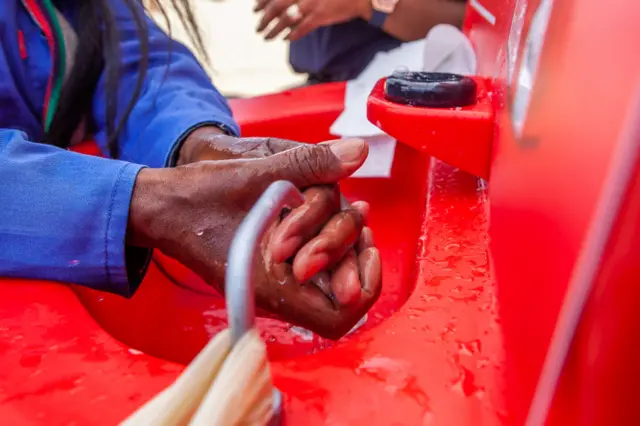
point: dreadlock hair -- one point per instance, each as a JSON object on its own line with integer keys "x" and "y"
{"x": 99, "y": 52}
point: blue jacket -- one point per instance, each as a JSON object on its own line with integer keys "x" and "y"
{"x": 63, "y": 215}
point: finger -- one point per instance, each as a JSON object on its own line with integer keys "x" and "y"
{"x": 272, "y": 10}
{"x": 260, "y": 4}
{"x": 288, "y": 19}
{"x": 276, "y": 145}
{"x": 366, "y": 240}
{"x": 345, "y": 280}
{"x": 370, "y": 267}
{"x": 322, "y": 280}
{"x": 256, "y": 147}
{"x": 324, "y": 251}
{"x": 363, "y": 208}
{"x": 308, "y": 306}
{"x": 304, "y": 27}
{"x": 309, "y": 165}
{"x": 283, "y": 23}
{"x": 305, "y": 222}
{"x": 272, "y": 146}
{"x": 311, "y": 309}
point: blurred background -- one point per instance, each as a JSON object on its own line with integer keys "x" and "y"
{"x": 241, "y": 62}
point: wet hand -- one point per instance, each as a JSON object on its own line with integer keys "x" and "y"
{"x": 300, "y": 17}
{"x": 192, "y": 212}
{"x": 326, "y": 225}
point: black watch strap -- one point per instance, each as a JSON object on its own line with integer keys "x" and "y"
{"x": 378, "y": 18}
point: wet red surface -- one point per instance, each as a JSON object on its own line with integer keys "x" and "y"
{"x": 428, "y": 354}
{"x": 442, "y": 346}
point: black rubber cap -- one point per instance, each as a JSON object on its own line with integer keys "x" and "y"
{"x": 430, "y": 89}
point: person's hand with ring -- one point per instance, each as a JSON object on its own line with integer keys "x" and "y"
{"x": 301, "y": 17}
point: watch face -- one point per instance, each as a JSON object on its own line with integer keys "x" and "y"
{"x": 385, "y": 6}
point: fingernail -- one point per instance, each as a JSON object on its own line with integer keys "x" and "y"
{"x": 348, "y": 150}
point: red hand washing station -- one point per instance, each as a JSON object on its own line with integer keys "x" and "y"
{"x": 507, "y": 233}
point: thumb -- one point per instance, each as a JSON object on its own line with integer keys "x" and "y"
{"x": 325, "y": 163}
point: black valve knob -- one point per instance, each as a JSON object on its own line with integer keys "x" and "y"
{"x": 430, "y": 89}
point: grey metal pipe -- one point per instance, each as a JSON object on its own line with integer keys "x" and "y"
{"x": 241, "y": 264}
{"x": 242, "y": 254}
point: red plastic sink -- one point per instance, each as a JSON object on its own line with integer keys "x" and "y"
{"x": 476, "y": 292}
{"x": 428, "y": 350}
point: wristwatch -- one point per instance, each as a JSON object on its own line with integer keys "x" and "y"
{"x": 381, "y": 9}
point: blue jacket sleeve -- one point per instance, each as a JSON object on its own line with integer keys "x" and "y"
{"x": 64, "y": 216}
{"x": 177, "y": 96}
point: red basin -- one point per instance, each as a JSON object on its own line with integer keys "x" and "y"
{"x": 429, "y": 350}
{"x": 441, "y": 340}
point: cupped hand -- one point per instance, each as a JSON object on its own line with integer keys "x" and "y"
{"x": 191, "y": 213}
{"x": 327, "y": 245}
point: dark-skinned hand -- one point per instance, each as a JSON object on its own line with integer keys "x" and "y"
{"x": 191, "y": 213}
{"x": 313, "y": 14}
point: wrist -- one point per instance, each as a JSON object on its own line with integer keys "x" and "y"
{"x": 149, "y": 206}
{"x": 365, "y": 9}
{"x": 196, "y": 142}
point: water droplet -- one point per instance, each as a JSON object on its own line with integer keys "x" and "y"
{"x": 306, "y": 335}
{"x": 469, "y": 348}
{"x": 479, "y": 271}
{"x": 200, "y": 233}
{"x": 482, "y": 363}
{"x": 465, "y": 383}
{"x": 394, "y": 374}
{"x": 400, "y": 69}
{"x": 447, "y": 331}
{"x": 452, "y": 247}
{"x": 427, "y": 419}
{"x": 134, "y": 351}
{"x": 431, "y": 297}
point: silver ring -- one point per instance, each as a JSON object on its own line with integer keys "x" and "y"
{"x": 293, "y": 12}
